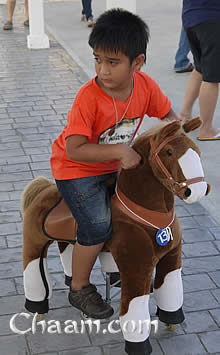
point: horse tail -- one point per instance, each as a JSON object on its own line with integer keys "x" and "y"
{"x": 32, "y": 190}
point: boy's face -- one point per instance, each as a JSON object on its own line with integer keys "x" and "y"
{"x": 114, "y": 70}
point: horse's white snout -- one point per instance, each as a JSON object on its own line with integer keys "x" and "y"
{"x": 191, "y": 166}
{"x": 198, "y": 190}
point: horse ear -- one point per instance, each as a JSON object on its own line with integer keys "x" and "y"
{"x": 170, "y": 129}
{"x": 192, "y": 124}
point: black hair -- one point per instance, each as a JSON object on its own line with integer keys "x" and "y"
{"x": 118, "y": 30}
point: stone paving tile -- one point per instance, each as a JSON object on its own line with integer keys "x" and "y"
{"x": 216, "y": 315}
{"x": 7, "y": 288}
{"x": 197, "y": 301}
{"x": 211, "y": 341}
{"x": 11, "y": 305}
{"x": 84, "y": 351}
{"x": 202, "y": 249}
{"x": 197, "y": 283}
{"x": 197, "y": 322}
{"x": 47, "y": 342}
{"x": 182, "y": 345}
{"x": 14, "y": 345}
{"x": 216, "y": 232}
{"x": 201, "y": 265}
{"x": 197, "y": 235}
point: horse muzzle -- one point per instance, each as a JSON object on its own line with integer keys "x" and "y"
{"x": 194, "y": 193}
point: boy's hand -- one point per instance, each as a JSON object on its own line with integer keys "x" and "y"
{"x": 129, "y": 157}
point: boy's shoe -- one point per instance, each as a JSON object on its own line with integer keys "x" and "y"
{"x": 26, "y": 23}
{"x": 90, "y": 302}
{"x": 8, "y": 25}
{"x": 90, "y": 22}
{"x": 83, "y": 18}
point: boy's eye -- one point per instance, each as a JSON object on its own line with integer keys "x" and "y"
{"x": 113, "y": 63}
{"x": 97, "y": 60}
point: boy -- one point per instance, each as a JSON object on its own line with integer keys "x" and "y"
{"x": 103, "y": 121}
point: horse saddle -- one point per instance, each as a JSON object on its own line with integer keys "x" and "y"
{"x": 59, "y": 223}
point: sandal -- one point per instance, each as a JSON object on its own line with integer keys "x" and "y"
{"x": 26, "y": 23}
{"x": 8, "y": 25}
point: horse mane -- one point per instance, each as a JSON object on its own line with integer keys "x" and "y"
{"x": 32, "y": 190}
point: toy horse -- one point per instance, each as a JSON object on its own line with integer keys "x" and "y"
{"x": 146, "y": 231}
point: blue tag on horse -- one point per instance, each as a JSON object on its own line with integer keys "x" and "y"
{"x": 163, "y": 236}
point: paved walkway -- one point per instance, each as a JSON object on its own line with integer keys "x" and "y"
{"x": 36, "y": 90}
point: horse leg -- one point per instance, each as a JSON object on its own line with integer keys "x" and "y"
{"x": 168, "y": 289}
{"x": 37, "y": 284}
{"x": 135, "y": 261}
{"x": 66, "y": 251}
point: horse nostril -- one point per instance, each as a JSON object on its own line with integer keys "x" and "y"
{"x": 187, "y": 192}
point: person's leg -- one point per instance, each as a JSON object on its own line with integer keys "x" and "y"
{"x": 89, "y": 201}
{"x": 10, "y": 11}
{"x": 26, "y": 10}
{"x": 182, "y": 62}
{"x": 84, "y": 258}
{"x": 87, "y": 6}
{"x": 208, "y": 97}
{"x": 191, "y": 94}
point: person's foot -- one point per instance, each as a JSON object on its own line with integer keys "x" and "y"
{"x": 8, "y": 25}
{"x": 83, "y": 18}
{"x": 188, "y": 69}
{"x": 184, "y": 116}
{"x": 90, "y": 302}
{"x": 26, "y": 23}
{"x": 90, "y": 22}
{"x": 208, "y": 134}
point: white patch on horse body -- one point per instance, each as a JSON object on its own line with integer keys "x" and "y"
{"x": 66, "y": 260}
{"x": 138, "y": 312}
{"x": 169, "y": 296}
{"x": 191, "y": 166}
{"x": 34, "y": 288}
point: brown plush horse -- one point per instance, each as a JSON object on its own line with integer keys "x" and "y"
{"x": 146, "y": 235}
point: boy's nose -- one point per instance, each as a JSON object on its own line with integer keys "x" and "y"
{"x": 104, "y": 70}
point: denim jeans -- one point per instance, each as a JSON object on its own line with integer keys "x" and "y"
{"x": 87, "y": 8}
{"x": 89, "y": 200}
{"x": 181, "y": 59}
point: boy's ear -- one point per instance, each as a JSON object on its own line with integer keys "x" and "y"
{"x": 138, "y": 62}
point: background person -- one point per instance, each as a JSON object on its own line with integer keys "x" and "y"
{"x": 182, "y": 62}
{"x": 10, "y": 12}
{"x": 87, "y": 12}
{"x": 201, "y": 20}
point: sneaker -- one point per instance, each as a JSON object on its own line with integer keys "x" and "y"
{"x": 83, "y": 18}
{"x": 8, "y": 25}
{"x": 90, "y": 22}
{"x": 90, "y": 302}
{"x": 26, "y": 23}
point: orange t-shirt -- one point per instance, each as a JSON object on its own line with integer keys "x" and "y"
{"x": 93, "y": 115}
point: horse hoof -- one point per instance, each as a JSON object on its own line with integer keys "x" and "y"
{"x": 171, "y": 327}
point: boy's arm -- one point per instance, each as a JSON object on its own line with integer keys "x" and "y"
{"x": 170, "y": 116}
{"x": 78, "y": 149}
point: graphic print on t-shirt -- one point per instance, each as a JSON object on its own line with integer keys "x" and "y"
{"x": 121, "y": 133}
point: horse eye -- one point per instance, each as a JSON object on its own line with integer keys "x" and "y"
{"x": 169, "y": 152}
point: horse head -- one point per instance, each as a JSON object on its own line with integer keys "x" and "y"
{"x": 175, "y": 161}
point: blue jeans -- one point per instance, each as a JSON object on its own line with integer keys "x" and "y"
{"x": 181, "y": 59}
{"x": 89, "y": 200}
{"x": 87, "y": 8}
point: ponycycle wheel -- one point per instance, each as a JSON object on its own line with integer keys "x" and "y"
{"x": 171, "y": 327}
